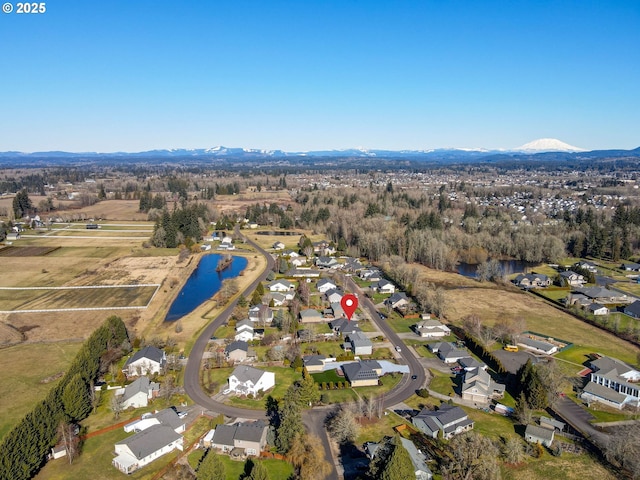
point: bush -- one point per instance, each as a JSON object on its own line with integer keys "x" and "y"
{"x": 324, "y": 398}
{"x": 331, "y": 386}
{"x": 423, "y": 393}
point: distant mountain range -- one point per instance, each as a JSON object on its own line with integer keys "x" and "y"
{"x": 542, "y": 149}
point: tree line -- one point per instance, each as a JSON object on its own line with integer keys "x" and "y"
{"x": 24, "y": 449}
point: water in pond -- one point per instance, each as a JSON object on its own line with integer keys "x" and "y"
{"x": 508, "y": 267}
{"x": 203, "y": 283}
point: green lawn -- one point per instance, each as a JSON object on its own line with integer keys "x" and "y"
{"x": 554, "y": 293}
{"x": 327, "y": 376}
{"x": 442, "y": 382}
{"x": 33, "y": 372}
{"x": 376, "y": 430}
{"x": 233, "y": 469}
{"x": 400, "y": 324}
{"x": 285, "y": 376}
{"x": 491, "y": 425}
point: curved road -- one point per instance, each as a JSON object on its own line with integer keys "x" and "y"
{"x": 313, "y": 418}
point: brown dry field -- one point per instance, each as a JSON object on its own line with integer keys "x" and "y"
{"x": 239, "y": 203}
{"x": 465, "y": 296}
{"x": 290, "y": 241}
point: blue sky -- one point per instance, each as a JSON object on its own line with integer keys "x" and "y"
{"x": 306, "y": 75}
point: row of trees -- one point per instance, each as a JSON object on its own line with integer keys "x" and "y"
{"x": 24, "y": 449}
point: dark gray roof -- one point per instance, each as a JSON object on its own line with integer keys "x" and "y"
{"x": 358, "y": 339}
{"x": 150, "y": 440}
{"x": 150, "y": 352}
{"x": 605, "y": 365}
{"x": 552, "y": 422}
{"x": 634, "y": 308}
{"x": 396, "y": 297}
{"x": 417, "y": 458}
{"x": 538, "y": 344}
{"x": 325, "y": 281}
{"x": 595, "y": 306}
{"x": 245, "y": 372}
{"x": 237, "y": 345}
{"x": 168, "y": 417}
{"x": 597, "y": 292}
{"x": 313, "y": 359}
{"x": 250, "y": 431}
{"x": 446, "y": 414}
{"x": 223, "y": 435}
{"x": 358, "y": 371}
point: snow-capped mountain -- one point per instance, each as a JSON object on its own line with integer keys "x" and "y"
{"x": 548, "y": 145}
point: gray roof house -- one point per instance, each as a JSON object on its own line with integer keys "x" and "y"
{"x": 240, "y": 439}
{"x": 594, "y": 392}
{"x": 363, "y": 373}
{"x": 314, "y": 363}
{"x": 614, "y": 375}
{"x": 157, "y": 435}
{"x": 531, "y": 280}
{"x": 310, "y": 316}
{"x": 631, "y": 267}
{"x": 397, "y": 300}
{"x": 142, "y": 448}
{"x": 572, "y": 279}
{"x": 551, "y": 423}
{"x": 237, "y": 351}
{"x": 478, "y": 386}
{"x": 360, "y": 344}
{"x": 145, "y": 361}
{"x": 431, "y": 328}
{"x": 447, "y": 351}
{"x": 536, "y": 434}
{"x": 247, "y": 380}
{"x": 138, "y": 393}
{"x": 325, "y": 285}
{"x": 449, "y": 419}
{"x": 633, "y": 310}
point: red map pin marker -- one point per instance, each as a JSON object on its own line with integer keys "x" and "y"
{"x": 349, "y": 304}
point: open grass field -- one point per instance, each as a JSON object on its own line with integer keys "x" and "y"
{"x": 539, "y": 316}
{"x": 568, "y": 467}
{"x": 31, "y": 370}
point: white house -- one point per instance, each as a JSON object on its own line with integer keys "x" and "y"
{"x": 360, "y": 344}
{"x": 156, "y": 435}
{"x": 334, "y": 295}
{"x": 278, "y": 246}
{"x": 244, "y": 331}
{"x": 325, "y": 285}
{"x": 432, "y": 329}
{"x": 280, "y": 286}
{"x": 138, "y": 393}
{"x": 384, "y": 286}
{"x": 261, "y": 314}
{"x": 145, "y": 361}
{"x": 249, "y": 380}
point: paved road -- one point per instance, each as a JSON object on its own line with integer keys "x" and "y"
{"x": 192, "y": 371}
{"x": 578, "y": 418}
{"x": 406, "y": 387}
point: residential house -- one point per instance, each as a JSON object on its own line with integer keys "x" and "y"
{"x": 156, "y": 435}
{"x": 344, "y": 327}
{"x": 597, "y": 309}
{"x": 370, "y": 274}
{"x": 237, "y": 351}
{"x": 247, "y": 380}
{"x": 352, "y": 265}
{"x": 362, "y": 373}
{"x": 537, "y": 345}
{"x": 278, "y": 246}
{"x": 447, "y": 351}
{"x": 138, "y": 393}
{"x": 280, "y": 286}
{"x": 314, "y": 363}
{"x": 303, "y": 272}
{"x": 146, "y": 361}
{"x": 144, "y": 447}
{"x": 323, "y": 247}
{"x": 291, "y": 254}
{"x": 589, "y": 266}
{"x": 359, "y": 344}
{"x": 336, "y": 310}
{"x": 334, "y": 295}
{"x": 601, "y": 295}
{"x": 631, "y": 267}
{"x": 261, "y": 314}
{"x": 278, "y": 299}
{"x": 536, "y": 434}
{"x": 572, "y": 279}
{"x": 478, "y": 386}
{"x": 449, "y": 419}
{"x": 431, "y": 329}
{"x": 298, "y": 261}
{"x": 325, "y": 285}
{"x": 310, "y": 315}
{"x": 531, "y": 280}
{"x": 226, "y": 244}
{"x": 615, "y": 375}
{"x": 470, "y": 363}
{"x": 241, "y": 439}
{"x": 633, "y": 310}
{"x": 327, "y": 262}
{"x": 398, "y": 300}
{"x": 244, "y": 331}
{"x": 384, "y": 286}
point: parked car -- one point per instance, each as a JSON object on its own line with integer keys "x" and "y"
{"x": 398, "y": 349}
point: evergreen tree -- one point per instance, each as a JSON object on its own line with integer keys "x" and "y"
{"x": 308, "y": 392}
{"x": 22, "y": 204}
{"x": 211, "y": 467}
{"x": 392, "y": 462}
{"x": 258, "y": 472}
{"x": 290, "y": 424}
{"x": 76, "y": 398}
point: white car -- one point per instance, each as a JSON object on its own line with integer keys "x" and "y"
{"x": 398, "y": 349}
{"x": 226, "y": 391}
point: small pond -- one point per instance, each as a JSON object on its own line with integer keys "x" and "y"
{"x": 203, "y": 284}
{"x": 508, "y": 267}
